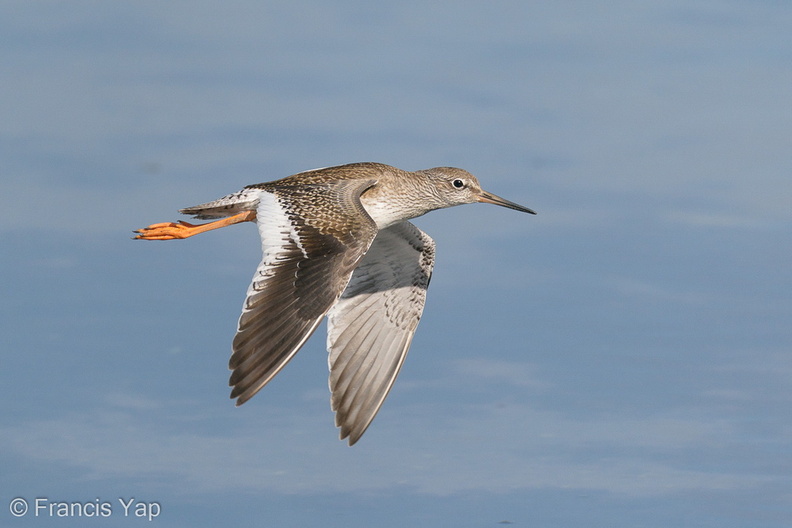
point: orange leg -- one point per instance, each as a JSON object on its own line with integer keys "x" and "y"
{"x": 173, "y": 230}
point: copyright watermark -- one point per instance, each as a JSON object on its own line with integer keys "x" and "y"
{"x": 18, "y": 507}
{"x": 120, "y": 507}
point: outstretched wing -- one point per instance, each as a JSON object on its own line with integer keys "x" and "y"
{"x": 371, "y": 326}
{"x": 312, "y": 238}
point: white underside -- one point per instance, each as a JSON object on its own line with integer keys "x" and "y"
{"x": 384, "y": 214}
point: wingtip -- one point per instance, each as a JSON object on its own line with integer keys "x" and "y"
{"x": 239, "y": 399}
{"x": 351, "y": 440}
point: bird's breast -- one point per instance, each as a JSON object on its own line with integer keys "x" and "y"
{"x": 388, "y": 212}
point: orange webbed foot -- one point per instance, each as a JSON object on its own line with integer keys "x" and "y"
{"x": 181, "y": 229}
{"x": 167, "y": 231}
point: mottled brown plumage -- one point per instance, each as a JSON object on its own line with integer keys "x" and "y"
{"x": 335, "y": 242}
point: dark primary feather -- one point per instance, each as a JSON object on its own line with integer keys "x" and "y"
{"x": 312, "y": 239}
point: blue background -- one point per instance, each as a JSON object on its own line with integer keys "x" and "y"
{"x": 622, "y": 359}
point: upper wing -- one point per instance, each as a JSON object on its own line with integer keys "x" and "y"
{"x": 312, "y": 238}
{"x": 372, "y": 324}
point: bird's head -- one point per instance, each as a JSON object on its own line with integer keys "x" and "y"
{"x": 454, "y": 186}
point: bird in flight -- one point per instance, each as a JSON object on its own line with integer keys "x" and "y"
{"x": 336, "y": 242}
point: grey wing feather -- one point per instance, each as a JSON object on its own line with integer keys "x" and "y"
{"x": 371, "y": 326}
{"x": 306, "y": 264}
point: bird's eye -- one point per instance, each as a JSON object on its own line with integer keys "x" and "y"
{"x": 458, "y": 184}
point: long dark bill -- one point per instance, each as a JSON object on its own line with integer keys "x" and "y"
{"x": 486, "y": 197}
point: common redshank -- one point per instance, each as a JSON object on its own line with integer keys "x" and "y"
{"x": 336, "y": 242}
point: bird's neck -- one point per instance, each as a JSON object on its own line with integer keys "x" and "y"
{"x": 389, "y": 205}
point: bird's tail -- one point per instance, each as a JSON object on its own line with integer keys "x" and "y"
{"x": 244, "y": 200}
